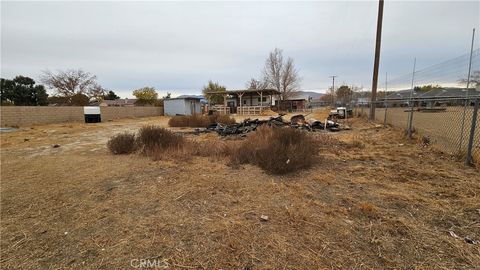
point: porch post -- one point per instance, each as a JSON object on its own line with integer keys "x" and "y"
{"x": 241, "y": 103}
{"x": 240, "y": 96}
{"x": 225, "y": 100}
{"x": 261, "y": 98}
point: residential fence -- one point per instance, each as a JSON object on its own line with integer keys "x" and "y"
{"x": 449, "y": 124}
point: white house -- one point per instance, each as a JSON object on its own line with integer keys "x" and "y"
{"x": 182, "y": 106}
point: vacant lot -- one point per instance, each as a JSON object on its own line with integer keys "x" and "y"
{"x": 373, "y": 200}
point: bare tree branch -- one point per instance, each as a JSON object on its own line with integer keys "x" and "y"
{"x": 255, "y": 84}
{"x": 281, "y": 75}
{"x": 70, "y": 82}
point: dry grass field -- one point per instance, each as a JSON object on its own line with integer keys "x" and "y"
{"x": 443, "y": 128}
{"x": 372, "y": 200}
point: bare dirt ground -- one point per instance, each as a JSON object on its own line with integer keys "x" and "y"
{"x": 373, "y": 201}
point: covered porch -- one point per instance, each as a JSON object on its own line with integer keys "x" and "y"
{"x": 244, "y": 102}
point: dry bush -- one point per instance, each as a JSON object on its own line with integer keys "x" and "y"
{"x": 123, "y": 143}
{"x": 237, "y": 153}
{"x": 189, "y": 121}
{"x": 276, "y": 150}
{"x": 199, "y": 120}
{"x": 223, "y": 119}
{"x": 154, "y": 139}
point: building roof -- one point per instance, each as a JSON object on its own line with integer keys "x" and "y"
{"x": 450, "y": 93}
{"x": 294, "y": 99}
{"x": 402, "y": 94}
{"x": 184, "y": 97}
{"x": 195, "y": 96}
{"x": 239, "y": 91}
{"x": 120, "y": 101}
{"x": 434, "y": 93}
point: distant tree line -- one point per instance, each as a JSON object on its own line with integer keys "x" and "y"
{"x": 72, "y": 88}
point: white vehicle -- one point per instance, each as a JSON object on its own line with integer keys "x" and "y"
{"x": 341, "y": 112}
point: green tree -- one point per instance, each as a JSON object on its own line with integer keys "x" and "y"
{"x": 111, "y": 96}
{"x": 146, "y": 95}
{"x": 213, "y": 92}
{"x": 22, "y": 91}
{"x": 344, "y": 94}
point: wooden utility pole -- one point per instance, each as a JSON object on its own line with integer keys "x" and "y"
{"x": 377, "y": 59}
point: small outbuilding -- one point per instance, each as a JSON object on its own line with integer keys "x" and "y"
{"x": 290, "y": 105}
{"x": 182, "y": 106}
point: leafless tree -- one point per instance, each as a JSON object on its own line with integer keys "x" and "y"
{"x": 281, "y": 75}
{"x": 474, "y": 79}
{"x": 72, "y": 81}
{"x": 96, "y": 92}
{"x": 256, "y": 84}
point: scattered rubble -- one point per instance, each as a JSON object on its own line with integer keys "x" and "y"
{"x": 297, "y": 121}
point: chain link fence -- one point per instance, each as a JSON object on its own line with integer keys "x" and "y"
{"x": 451, "y": 125}
{"x": 437, "y": 104}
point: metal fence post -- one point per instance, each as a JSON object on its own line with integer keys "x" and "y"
{"x": 410, "y": 121}
{"x": 410, "y": 116}
{"x": 469, "y": 160}
{"x": 385, "y": 116}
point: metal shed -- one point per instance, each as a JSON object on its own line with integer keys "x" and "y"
{"x": 182, "y": 106}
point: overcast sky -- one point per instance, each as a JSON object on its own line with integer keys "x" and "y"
{"x": 179, "y": 46}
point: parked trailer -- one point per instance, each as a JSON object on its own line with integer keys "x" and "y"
{"x": 92, "y": 114}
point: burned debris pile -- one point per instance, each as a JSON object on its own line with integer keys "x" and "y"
{"x": 297, "y": 121}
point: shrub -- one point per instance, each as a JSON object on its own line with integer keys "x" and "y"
{"x": 199, "y": 120}
{"x": 123, "y": 143}
{"x": 189, "y": 121}
{"x": 276, "y": 150}
{"x": 153, "y": 139}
